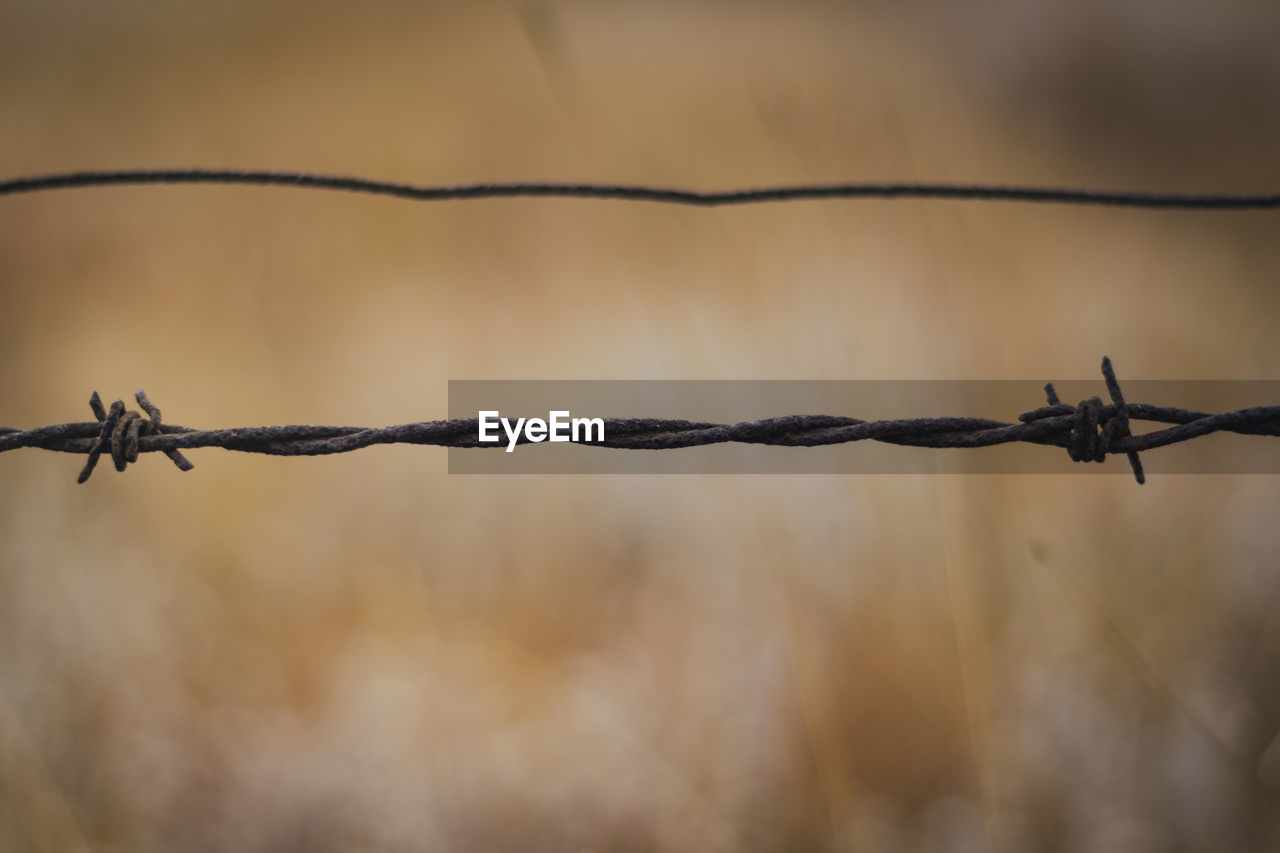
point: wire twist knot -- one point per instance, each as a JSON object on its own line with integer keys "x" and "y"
{"x": 120, "y": 432}
{"x": 1094, "y": 428}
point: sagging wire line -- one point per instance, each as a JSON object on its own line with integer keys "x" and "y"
{"x": 624, "y": 192}
{"x": 1090, "y": 432}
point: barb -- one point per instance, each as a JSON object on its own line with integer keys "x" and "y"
{"x": 1089, "y": 431}
{"x": 622, "y": 192}
{"x": 121, "y": 432}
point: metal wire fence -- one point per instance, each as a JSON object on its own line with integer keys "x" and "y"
{"x": 1090, "y": 431}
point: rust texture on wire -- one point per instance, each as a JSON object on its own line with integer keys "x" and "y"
{"x": 621, "y": 192}
{"x": 1089, "y": 431}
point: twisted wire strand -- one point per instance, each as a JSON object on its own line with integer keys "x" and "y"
{"x": 622, "y": 192}
{"x": 1089, "y": 431}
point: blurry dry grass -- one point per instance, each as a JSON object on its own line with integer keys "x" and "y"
{"x": 362, "y": 653}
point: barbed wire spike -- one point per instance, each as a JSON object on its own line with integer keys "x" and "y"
{"x": 153, "y": 412}
{"x": 121, "y": 433}
{"x": 1118, "y": 426}
{"x": 1089, "y": 432}
{"x": 108, "y": 421}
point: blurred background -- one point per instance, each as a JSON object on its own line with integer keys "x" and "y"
{"x": 362, "y": 652}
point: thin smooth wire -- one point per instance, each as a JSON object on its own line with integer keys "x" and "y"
{"x": 625, "y": 192}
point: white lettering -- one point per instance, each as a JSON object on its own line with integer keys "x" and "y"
{"x": 558, "y": 427}
{"x": 488, "y": 422}
{"x": 513, "y": 434}
{"x": 587, "y": 424}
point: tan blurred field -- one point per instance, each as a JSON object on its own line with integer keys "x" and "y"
{"x": 362, "y": 652}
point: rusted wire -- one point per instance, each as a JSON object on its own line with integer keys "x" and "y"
{"x": 621, "y": 192}
{"x": 1090, "y": 432}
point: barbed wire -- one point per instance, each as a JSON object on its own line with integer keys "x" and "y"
{"x": 622, "y": 192}
{"x": 1090, "y": 432}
